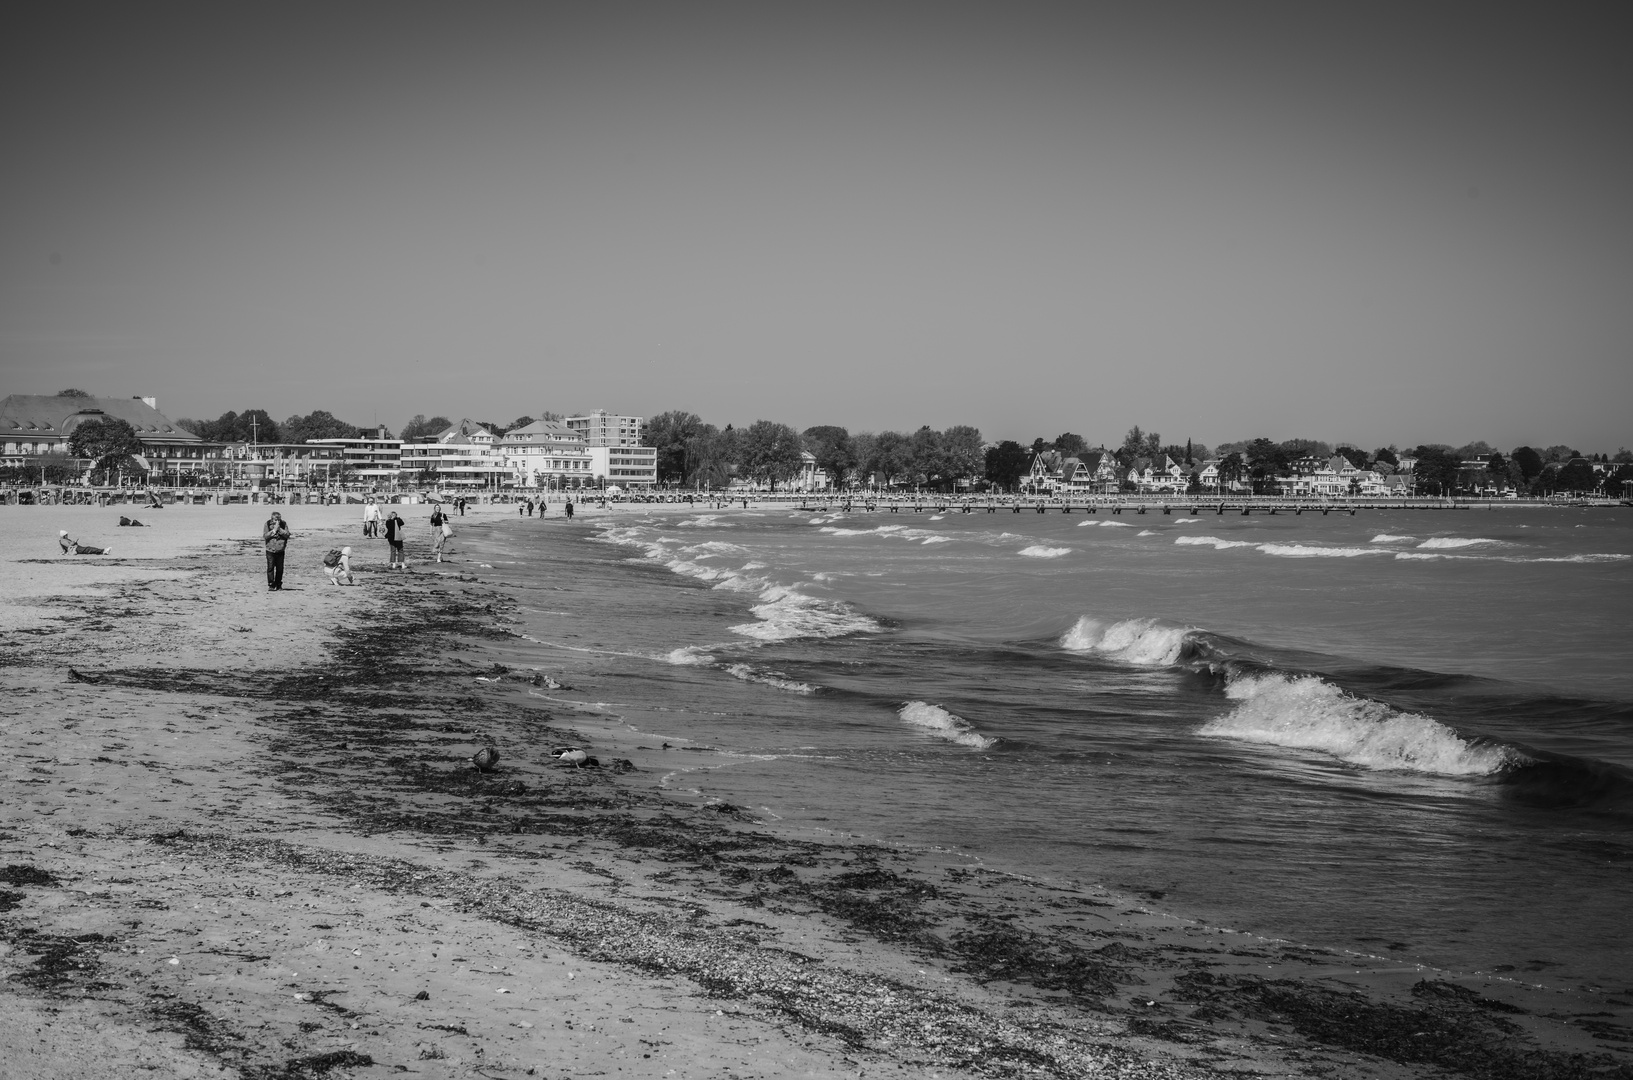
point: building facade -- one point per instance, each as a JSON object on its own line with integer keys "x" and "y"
{"x": 547, "y": 454}
{"x": 373, "y": 459}
{"x": 601, "y": 428}
{"x": 625, "y": 466}
{"x": 35, "y": 426}
{"x": 463, "y": 456}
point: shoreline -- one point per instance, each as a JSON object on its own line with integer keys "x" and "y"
{"x": 297, "y": 828}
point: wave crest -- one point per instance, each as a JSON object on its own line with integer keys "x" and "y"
{"x": 1145, "y": 642}
{"x": 944, "y": 725}
{"x": 1042, "y": 551}
{"x": 1455, "y": 542}
{"x": 1308, "y": 713}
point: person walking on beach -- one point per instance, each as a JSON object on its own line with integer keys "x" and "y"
{"x": 569, "y": 508}
{"x": 440, "y": 531}
{"x": 276, "y": 536}
{"x": 371, "y": 518}
{"x": 395, "y": 529}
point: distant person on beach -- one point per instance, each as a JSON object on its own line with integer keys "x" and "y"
{"x": 340, "y": 568}
{"x": 371, "y": 518}
{"x": 70, "y": 546}
{"x": 440, "y": 531}
{"x": 461, "y": 507}
{"x": 276, "y": 536}
{"x": 569, "y": 508}
{"x": 395, "y": 529}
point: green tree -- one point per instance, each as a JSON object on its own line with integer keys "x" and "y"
{"x": 72, "y": 393}
{"x": 1195, "y": 485}
{"x": 1005, "y": 463}
{"x": 862, "y": 449}
{"x": 1619, "y": 484}
{"x": 1134, "y": 443}
{"x": 1387, "y": 456}
{"x": 833, "y": 450}
{"x": 1498, "y": 468}
{"x": 928, "y": 458}
{"x": 1231, "y": 468}
{"x": 771, "y": 452}
{"x": 1356, "y": 458}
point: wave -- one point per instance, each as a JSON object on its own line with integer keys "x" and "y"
{"x": 1144, "y": 642}
{"x": 938, "y": 540}
{"x": 1145, "y": 532}
{"x": 944, "y": 725}
{"x": 1456, "y": 542}
{"x": 769, "y": 678}
{"x": 1307, "y": 551}
{"x": 1185, "y": 521}
{"x": 786, "y": 614}
{"x": 1215, "y": 542}
{"x": 689, "y": 656}
{"x": 1308, "y": 713}
{"x": 1391, "y": 538}
{"x": 1595, "y": 558}
{"x": 1114, "y": 525}
{"x": 1040, "y": 551}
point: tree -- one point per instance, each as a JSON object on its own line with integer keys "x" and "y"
{"x": 520, "y": 422}
{"x": 1497, "y": 467}
{"x": 1134, "y": 442}
{"x": 1231, "y": 468}
{"x": 1153, "y": 445}
{"x": 1560, "y": 453}
{"x": 1477, "y": 449}
{"x": 1005, "y": 463}
{"x": 317, "y": 425}
{"x": 674, "y": 435}
{"x": 771, "y": 452}
{"x": 962, "y": 456}
{"x": 891, "y": 457}
{"x": 1436, "y": 469}
{"x": 1071, "y": 445}
{"x": 1577, "y": 475}
{"x": 107, "y": 441}
{"x": 72, "y": 393}
{"x": 834, "y": 453}
{"x": 1297, "y": 448}
{"x": 421, "y": 428}
{"x": 1387, "y": 456}
{"x": 1195, "y": 485}
{"x": 251, "y": 425}
{"x": 1529, "y": 461}
{"x": 1619, "y": 483}
{"x": 1356, "y": 458}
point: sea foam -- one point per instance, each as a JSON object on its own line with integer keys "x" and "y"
{"x": 1307, "y": 551}
{"x": 1144, "y": 642}
{"x": 944, "y": 725}
{"x": 1308, "y": 713}
{"x": 1455, "y": 541}
{"x": 1041, "y": 551}
{"x": 1391, "y": 538}
{"x": 1214, "y": 541}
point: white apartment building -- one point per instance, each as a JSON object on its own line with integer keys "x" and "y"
{"x": 373, "y": 459}
{"x": 601, "y": 428}
{"x": 546, "y": 454}
{"x": 463, "y": 456}
{"x": 625, "y": 466}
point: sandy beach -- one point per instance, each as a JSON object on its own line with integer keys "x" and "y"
{"x": 242, "y": 836}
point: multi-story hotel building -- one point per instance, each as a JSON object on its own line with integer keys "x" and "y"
{"x": 601, "y": 428}
{"x": 546, "y": 453}
{"x": 372, "y": 459}
{"x": 462, "y": 456}
{"x": 616, "y": 453}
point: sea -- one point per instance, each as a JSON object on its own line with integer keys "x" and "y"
{"x": 1405, "y": 734}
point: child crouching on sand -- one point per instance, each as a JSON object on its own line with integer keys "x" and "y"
{"x": 340, "y": 568}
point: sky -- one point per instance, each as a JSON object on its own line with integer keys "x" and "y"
{"x": 1363, "y": 223}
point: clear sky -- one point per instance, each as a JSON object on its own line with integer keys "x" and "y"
{"x": 1216, "y": 220}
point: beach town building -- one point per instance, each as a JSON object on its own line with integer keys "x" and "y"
{"x": 625, "y": 467}
{"x": 463, "y": 456}
{"x": 601, "y": 428}
{"x": 811, "y": 476}
{"x": 35, "y": 426}
{"x": 375, "y": 460}
{"x": 547, "y": 454}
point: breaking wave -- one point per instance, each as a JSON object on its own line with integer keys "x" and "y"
{"x": 1214, "y": 541}
{"x": 1390, "y": 538}
{"x": 1308, "y": 713}
{"x": 944, "y": 725}
{"x": 1143, "y": 642}
{"x": 769, "y": 678}
{"x": 1308, "y": 551}
{"x": 1455, "y": 542}
{"x": 1040, "y": 551}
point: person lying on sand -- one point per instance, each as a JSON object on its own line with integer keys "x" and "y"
{"x": 70, "y": 546}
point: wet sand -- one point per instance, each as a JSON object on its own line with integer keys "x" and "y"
{"x": 242, "y": 836}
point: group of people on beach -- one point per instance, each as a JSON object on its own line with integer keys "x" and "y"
{"x": 337, "y": 563}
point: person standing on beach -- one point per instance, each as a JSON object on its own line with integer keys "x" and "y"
{"x": 395, "y": 528}
{"x": 275, "y": 534}
{"x": 569, "y": 508}
{"x": 439, "y": 531}
{"x": 371, "y": 518}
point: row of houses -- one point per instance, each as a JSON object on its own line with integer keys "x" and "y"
{"x": 1099, "y": 472}
{"x": 598, "y": 449}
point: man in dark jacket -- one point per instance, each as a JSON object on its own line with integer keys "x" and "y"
{"x": 276, "y": 536}
{"x": 395, "y": 528}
